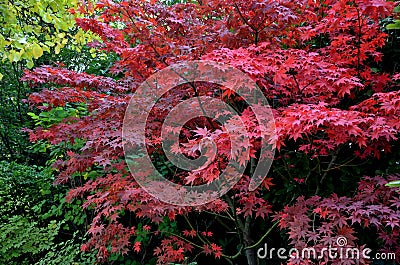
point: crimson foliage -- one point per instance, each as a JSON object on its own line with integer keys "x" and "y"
{"x": 336, "y": 115}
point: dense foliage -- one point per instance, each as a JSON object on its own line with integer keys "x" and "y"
{"x": 327, "y": 70}
{"x": 32, "y": 28}
{"x": 33, "y": 33}
{"x": 37, "y": 226}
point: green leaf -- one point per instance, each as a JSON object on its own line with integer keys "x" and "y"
{"x": 395, "y": 25}
{"x": 395, "y": 183}
{"x": 37, "y": 51}
{"x": 30, "y": 64}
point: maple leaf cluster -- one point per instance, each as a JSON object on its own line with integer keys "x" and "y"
{"x": 317, "y": 222}
{"x": 313, "y": 61}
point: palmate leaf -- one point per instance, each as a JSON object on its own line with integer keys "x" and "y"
{"x": 332, "y": 111}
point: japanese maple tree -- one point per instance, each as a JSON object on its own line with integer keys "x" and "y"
{"x": 336, "y": 117}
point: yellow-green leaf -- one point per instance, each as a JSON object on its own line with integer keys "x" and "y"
{"x": 29, "y": 64}
{"x": 57, "y": 49}
{"x": 37, "y": 51}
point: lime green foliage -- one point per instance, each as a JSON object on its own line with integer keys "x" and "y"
{"x": 395, "y": 25}
{"x": 33, "y": 32}
{"x": 47, "y": 118}
{"x": 395, "y": 183}
{"x": 30, "y": 28}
